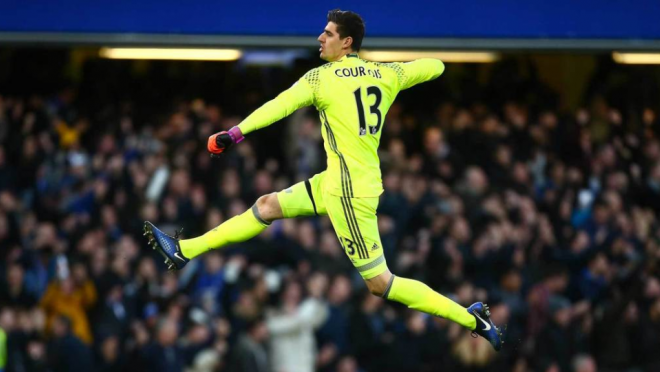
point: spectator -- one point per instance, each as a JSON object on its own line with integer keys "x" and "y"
{"x": 14, "y": 292}
{"x": 211, "y": 281}
{"x": 292, "y": 326}
{"x": 71, "y": 298}
{"x": 111, "y": 359}
{"x": 554, "y": 342}
{"x": 411, "y": 342}
{"x": 250, "y": 353}
{"x": 554, "y": 284}
{"x": 367, "y": 330}
{"x": 347, "y": 364}
{"x": 335, "y": 329}
{"x": 584, "y": 363}
{"x": 163, "y": 354}
{"x": 67, "y": 353}
{"x": 493, "y": 199}
{"x": 470, "y": 354}
{"x": 113, "y": 315}
{"x": 649, "y": 327}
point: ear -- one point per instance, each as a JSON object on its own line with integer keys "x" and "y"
{"x": 348, "y": 42}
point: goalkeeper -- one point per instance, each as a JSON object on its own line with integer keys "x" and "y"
{"x": 352, "y": 97}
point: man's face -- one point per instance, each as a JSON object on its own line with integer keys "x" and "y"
{"x": 332, "y": 46}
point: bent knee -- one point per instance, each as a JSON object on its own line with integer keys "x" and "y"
{"x": 376, "y": 291}
{"x": 379, "y": 285}
{"x": 269, "y": 207}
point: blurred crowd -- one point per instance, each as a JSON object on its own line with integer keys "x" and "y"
{"x": 551, "y": 218}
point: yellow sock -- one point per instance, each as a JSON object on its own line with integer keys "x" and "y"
{"x": 418, "y": 296}
{"x": 235, "y": 230}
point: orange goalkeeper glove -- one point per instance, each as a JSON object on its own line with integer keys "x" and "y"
{"x": 220, "y": 142}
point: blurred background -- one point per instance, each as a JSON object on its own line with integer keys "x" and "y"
{"x": 527, "y": 176}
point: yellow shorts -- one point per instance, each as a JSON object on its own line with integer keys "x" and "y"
{"x": 354, "y": 221}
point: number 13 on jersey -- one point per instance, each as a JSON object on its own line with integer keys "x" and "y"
{"x": 374, "y": 109}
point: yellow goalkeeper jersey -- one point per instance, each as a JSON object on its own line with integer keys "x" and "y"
{"x": 352, "y": 97}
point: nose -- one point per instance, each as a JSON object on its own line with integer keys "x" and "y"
{"x": 320, "y": 38}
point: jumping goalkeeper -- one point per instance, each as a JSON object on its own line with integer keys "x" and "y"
{"x": 352, "y": 97}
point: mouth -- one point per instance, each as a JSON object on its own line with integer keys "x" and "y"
{"x": 321, "y": 48}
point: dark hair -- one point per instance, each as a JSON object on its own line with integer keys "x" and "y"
{"x": 252, "y": 324}
{"x": 348, "y": 24}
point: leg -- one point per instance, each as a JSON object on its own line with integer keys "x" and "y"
{"x": 417, "y": 295}
{"x": 356, "y": 225}
{"x": 237, "y": 229}
{"x": 295, "y": 201}
{"x": 268, "y": 208}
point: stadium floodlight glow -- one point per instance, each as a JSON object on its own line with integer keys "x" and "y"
{"x": 636, "y": 58}
{"x": 171, "y": 54}
{"x": 409, "y": 55}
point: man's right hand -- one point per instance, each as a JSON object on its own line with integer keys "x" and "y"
{"x": 220, "y": 142}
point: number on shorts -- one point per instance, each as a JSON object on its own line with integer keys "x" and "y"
{"x": 349, "y": 245}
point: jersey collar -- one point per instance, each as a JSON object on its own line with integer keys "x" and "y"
{"x": 350, "y": 55}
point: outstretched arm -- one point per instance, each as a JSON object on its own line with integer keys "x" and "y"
{"x": 420, "y": 71}
{"x": 299, "y": 95}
